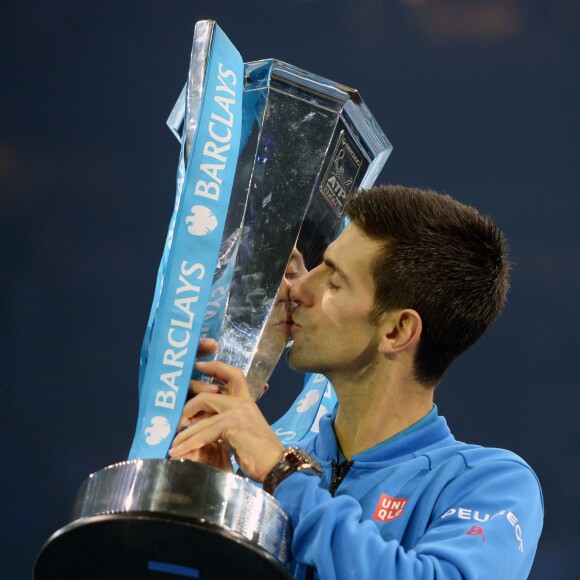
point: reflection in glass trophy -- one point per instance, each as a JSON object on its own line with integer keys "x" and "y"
{"x": 307, "y": 144}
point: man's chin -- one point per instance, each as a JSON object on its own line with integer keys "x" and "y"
{"x": 295, "y": 361}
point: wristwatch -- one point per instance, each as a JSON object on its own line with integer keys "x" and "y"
{"x": 294, "y": 459}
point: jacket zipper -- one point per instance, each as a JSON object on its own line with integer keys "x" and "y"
{"x": 338, "y": 474}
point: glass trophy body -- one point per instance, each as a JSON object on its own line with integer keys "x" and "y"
{"x": 312, "y": 144}
{"x": 307, "y": 145}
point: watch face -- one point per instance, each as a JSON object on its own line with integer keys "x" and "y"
{"x": 293, "y": 460}
{"x": 301, "y": 460}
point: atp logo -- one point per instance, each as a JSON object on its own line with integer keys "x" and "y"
{"x": 158, "y": 431}
{"x": 202, "y": 221}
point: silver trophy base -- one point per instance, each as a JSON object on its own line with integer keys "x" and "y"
{"x": 159, "y": 518}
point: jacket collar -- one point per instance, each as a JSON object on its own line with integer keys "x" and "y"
{"x": 326, "y": 447}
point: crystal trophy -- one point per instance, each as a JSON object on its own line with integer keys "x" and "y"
{"x": 306, "y": 144}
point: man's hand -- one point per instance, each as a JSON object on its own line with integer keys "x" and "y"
{"x": 232, "y": 419}
{"x": 214, "y": 454}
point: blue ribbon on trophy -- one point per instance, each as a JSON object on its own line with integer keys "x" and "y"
{"x": 300, "y": 422}
{"x": 205, "y": 177}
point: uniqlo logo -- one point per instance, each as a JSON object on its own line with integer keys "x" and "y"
{"x": 389, "y": 508}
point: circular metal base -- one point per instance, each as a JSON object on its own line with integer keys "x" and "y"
{"x": 155, "y": 518}
{"x": 143, "y": 547}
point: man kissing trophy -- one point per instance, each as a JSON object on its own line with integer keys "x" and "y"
{"x": 269, "y": 155}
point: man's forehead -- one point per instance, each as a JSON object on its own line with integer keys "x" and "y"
{"x": 351, "y": 250}
{"x": 350, "y": 235}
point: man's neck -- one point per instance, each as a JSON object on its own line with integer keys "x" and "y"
{"x": 371, "y": 413}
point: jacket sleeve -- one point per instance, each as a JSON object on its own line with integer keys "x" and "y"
{"x": 329, "y": 534}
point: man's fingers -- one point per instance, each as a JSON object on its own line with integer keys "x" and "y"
{"x": 187, "y": 421}
{"x": 210, "y": 404}
{"x": 206, "y": 346}
{"x": 197, "y": 387}
{"x": 233, "y": 378}
{"x": 199, "y": 435}
{"x": 233, "y": 418}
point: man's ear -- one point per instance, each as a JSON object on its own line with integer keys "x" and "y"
{"x": 401, "y": 330}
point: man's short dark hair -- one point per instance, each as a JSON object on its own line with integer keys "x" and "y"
{"x": 439, "y": 257}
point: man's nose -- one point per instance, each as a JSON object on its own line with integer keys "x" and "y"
{"x": 299, "y": 289}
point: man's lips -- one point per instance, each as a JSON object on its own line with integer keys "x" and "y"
{"x": 284, "y": 322}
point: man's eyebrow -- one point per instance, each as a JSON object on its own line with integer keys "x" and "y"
{"x": 331, "y": 264}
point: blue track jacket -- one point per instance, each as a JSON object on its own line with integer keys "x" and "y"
{"x": 420, "y": 506}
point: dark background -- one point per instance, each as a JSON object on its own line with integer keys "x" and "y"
{"x": 480, "y": 100}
